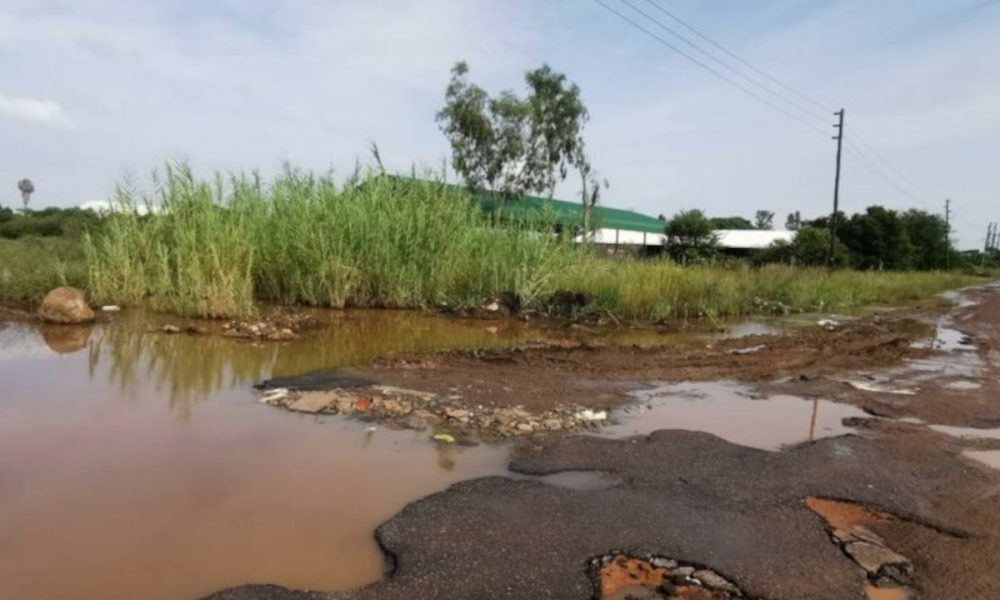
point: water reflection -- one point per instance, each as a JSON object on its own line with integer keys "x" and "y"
{"x": 189, "y": 368}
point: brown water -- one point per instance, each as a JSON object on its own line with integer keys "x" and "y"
{"x": 733, "y": 412}
{"x": 135, "y": 463}
{"x": 143, "y": 466}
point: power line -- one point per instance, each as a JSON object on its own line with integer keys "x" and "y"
{"x": 706, "y": 67}
{"x": 807, "y": 111}
{"x": 744, "y": 62}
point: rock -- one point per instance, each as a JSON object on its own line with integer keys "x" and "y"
{"x": 171, "y": 329}
{"x": 66, "y": 305}
{"x": 872, "y": 557}
{"x": 111, "y": 308}
{"x": 275, "y": 395}
{"x": 591, "y": 415}
{"x": 311, "y": 402}
{"x": 524, "y": 428}
{"x": 344, "y": 405}
{"x": 711, "y": 579}
{"x": 681, "y": 573}
{"x": 663, "y": 563}
{"x": 362, "y": 404}
{"x": 457, "y": 413}
{"x": 552, "y": 424}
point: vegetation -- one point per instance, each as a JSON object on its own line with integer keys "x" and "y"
{"x": 31, "y": 266}
{"x": 691, "y": 237}
{"x": 217, "y": 247}
{"x": 515, "y": 146}
{"x": 40, "y": 250}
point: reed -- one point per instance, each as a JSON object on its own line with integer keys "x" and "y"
{"x": 215, "y": 248}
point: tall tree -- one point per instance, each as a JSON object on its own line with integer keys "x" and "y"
{"x": 730, "y": 223}
{"x": 27, "y": 189}
{"x": 764, "y": 219}
{"x": 512, "y": 145}
{"x": 878, "y": 239}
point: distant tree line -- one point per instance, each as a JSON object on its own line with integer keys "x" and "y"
{"x": 48, "y": 222}
{"x": 876, "y": 239}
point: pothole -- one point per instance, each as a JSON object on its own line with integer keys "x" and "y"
{"x": 734, "y": 412}
{"x": 888, "y": 572}
{"x": 621, "y": 576}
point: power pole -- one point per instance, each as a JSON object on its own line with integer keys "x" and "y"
{"x": 947, "y": 233}
{"x": 836, "y": 184}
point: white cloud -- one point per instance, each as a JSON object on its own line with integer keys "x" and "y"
{"x": 29, "y": 109}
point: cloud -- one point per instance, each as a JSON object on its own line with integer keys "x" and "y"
{"x": 47, "y": 112}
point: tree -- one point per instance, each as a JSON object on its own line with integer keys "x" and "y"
{"x": 513, "y": 145}
{"x": 877, "y": 239}
{"x": 691, "y": 237}
{"x": 928, "y": 236}
{"x": 730, "y": 223}
{"x": 810, "y": 248}
{"x": 764, "y": 219}
{"x": 794, "y": 221}
{"x": 27, "y": 188}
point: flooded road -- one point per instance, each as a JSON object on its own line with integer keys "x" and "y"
{"x": 133, "y": 460}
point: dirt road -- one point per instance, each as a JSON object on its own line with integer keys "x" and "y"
{"x": 917, "y": 513}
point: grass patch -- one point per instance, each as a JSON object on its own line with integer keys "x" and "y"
{"x": 32, "y": 266}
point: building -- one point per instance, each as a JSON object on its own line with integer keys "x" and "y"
{"x": 742, "y": 242}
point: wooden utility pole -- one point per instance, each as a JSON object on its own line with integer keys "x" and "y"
{"x": 836, "y": 185}
{"x": 947, "y": 233}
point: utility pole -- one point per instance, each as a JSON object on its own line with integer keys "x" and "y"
{"x": 836, "y": 184}
{"x": 947, "y": 233}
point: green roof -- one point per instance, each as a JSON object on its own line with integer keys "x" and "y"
{"x": 571, "y": 213}
{"x": 567, "y": 214}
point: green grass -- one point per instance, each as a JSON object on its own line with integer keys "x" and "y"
{"x": 218, "y": 247}
{"x": 31, "y": 266}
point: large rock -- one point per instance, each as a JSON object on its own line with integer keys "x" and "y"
{"x": 66, "y": 305}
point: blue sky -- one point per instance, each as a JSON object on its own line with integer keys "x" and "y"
{"x": 94, "y": 90}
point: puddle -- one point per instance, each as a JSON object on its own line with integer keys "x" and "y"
{"x": 967, "y": 432}
{"x": 843, "y": 516}
{"x": 146, "y": 463}
{"x": 947, "y": 339}
{"x": 990, "y": 458}
{"x": 730, "y": 411}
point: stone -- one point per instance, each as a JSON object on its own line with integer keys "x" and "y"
{"x": 524, "y": 428}
{"x": 66, "y": 305}
{"x": 713, "y": 580}
{"x": 552, "y": 424}
{"x": 872, "y": 557}
{"x": 663, "y": 563}
{"x": 457, "y": 413}
{"x": 345, "y": 406}
{"x": 311, "y": 402}
{"x": 171, "y": 329}
{"x": 681, "y": 573}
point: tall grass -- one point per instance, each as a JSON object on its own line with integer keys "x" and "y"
{"x": 31, "y": 266}
{"x": 214, "y": 248}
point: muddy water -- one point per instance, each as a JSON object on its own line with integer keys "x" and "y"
{"x": 137, "y": 464}
{"x": 733, "y": 412}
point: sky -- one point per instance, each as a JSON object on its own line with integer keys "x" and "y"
{"x": 91, "y": 92}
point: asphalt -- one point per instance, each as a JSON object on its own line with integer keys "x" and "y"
{"x": 686, "y": 495}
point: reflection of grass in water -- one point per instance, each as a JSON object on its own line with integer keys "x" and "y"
{"x": 188, "y": 369}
